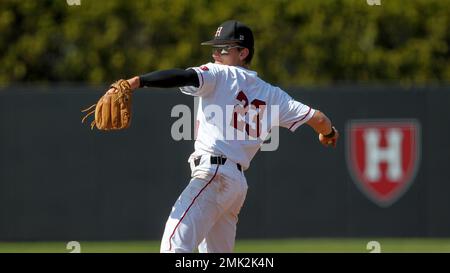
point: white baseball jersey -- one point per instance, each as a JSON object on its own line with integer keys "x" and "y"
{"x": 237, "y": 110}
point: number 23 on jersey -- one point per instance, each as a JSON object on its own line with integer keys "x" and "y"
{"x": 245, "y": 111}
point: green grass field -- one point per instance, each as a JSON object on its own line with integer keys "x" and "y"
{"x": 245, "y": 246}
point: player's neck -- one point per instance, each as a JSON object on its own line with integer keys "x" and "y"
{"x": 243, "y": 65}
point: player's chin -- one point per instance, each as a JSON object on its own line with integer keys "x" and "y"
{"x": 217, "y": 59}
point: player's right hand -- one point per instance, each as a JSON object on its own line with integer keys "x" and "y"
{"x": 331, "y": 141}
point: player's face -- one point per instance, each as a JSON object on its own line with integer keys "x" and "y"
{"x": 228, "y": 55}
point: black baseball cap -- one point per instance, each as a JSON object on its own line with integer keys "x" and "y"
{"x": 230, "y": 32}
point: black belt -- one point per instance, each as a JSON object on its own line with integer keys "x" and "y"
{"x": 216, "y": 160}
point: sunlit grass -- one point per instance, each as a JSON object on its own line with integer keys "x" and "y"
{"x": 313, "y": 245}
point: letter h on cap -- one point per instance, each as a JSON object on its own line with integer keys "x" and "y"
{"x": 219, "y": 29}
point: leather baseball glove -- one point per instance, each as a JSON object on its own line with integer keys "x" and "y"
{"x": 113, "y": 110}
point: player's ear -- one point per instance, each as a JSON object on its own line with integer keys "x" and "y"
{"x": 243, "y": 54}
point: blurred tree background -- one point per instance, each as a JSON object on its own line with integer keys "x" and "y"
{"x": 298, "y": 42}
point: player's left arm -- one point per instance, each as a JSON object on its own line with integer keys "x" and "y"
{"x": 328, "y": 134}
{"x": 166, "y": 79}
{"x": 194, "y": 81}
{"x": 134, "y": 82}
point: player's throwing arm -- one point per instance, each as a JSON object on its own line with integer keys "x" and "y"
{"x": 328, "y": 134}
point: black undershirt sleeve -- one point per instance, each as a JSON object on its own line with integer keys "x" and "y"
{"x": 170, "y": 78}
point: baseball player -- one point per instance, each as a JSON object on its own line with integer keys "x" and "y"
{"x": 206, "y": 213}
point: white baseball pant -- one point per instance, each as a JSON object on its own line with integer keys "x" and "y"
{"x": 206, "y": 213}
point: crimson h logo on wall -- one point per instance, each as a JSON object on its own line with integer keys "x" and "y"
{"x": 383, "y": 157}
